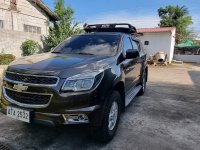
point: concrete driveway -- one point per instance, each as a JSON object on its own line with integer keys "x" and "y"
{"x": 166, "y": 117}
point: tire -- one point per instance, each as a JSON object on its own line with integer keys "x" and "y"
{"x": 106, "y": 131}
{"x": 144, "y": 81}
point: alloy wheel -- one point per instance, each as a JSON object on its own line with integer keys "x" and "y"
{"x": 113, "y": 116}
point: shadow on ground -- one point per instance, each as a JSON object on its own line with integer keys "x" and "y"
{"x": 195, "y": 76}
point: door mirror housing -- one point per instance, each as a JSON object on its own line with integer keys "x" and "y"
{"x": 132, "y": 53}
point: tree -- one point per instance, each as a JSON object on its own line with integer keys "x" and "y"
{"x": 64, "y": 27}
{"x": 176, "y": 16}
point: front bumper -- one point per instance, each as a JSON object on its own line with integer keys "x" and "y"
{"x": 62, "y": 108}
{"x": 88, "y": 115}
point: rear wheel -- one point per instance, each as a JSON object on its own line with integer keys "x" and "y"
{"x": 144, "y": 81}
{"x": 111, "y": 119}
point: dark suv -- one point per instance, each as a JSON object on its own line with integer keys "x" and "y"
{"x": 87, "y": 79}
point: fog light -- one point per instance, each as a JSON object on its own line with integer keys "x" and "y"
{"x": 82, "y": 117}
{"x": 75, "y": 118}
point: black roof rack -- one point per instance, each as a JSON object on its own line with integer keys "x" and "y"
{"x": 113, "y": 27}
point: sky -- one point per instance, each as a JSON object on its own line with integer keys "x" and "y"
{"x": 140, "y": 13}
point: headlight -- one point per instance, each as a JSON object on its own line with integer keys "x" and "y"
{"x": 81, "y": 82}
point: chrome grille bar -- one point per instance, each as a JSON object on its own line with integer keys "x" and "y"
{"x": 23, "y": 104}
{"x": 6, "y": 78}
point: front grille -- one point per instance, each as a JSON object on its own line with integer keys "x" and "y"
{"x": 4, "y": 147}
{"x": 28, "y": 98}
{"x": 32, "y": 79}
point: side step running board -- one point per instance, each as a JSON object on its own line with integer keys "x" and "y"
{"x": 132, "y": 93}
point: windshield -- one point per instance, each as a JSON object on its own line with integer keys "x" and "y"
{"x": 90, "y": 44}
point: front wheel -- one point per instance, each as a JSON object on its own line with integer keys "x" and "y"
{"x": 111, "y": 119}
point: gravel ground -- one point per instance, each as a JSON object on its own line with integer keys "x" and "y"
{"x": 166, "y": 117}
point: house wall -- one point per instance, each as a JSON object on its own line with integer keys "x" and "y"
{"x": 10, "y": 42}
{"x": 188, "y": 58}
{"x": 27, "y": 13}
{"x": 159, "y": 42}
{"x": 12, "y": 35}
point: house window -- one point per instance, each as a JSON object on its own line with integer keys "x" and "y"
{"x": 146, "y": 42}
{"x": 13, "y": 4}
{"x": 1, "y": 24}
{"x": 32, "y": 29}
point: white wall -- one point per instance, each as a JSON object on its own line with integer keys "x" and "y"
{"x": 188, "y": 58}
{"x": 27, "y": 13}
{"x": 159, "y": 42}
{"x": 173, "y": 36}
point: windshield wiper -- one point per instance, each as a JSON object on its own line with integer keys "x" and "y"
{"x": 56, "y": 52}
{"x": 82, "y": 53}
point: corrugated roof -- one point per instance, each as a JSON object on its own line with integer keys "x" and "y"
{"x": 158, "y": 29}
{"x": 44, "y": 7}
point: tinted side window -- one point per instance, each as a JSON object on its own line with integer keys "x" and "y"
{"x": 141, "y": 46}
{"x": 127, "y": 44}
{"x": 135, "y": 45}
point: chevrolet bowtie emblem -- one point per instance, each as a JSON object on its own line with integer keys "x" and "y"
{"x": 20, "y": 87}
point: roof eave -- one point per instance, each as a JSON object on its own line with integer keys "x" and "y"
{"x": 50, "y": 13}
{"x": 157, "y": 30}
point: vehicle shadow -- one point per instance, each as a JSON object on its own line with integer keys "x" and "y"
{"x": 195, "y": 76}
{"x": 36, "y": 136}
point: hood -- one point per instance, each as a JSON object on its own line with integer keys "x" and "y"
{"x": 61, "y": 65}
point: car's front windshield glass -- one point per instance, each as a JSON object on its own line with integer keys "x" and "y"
{"x": 89, "y": 44}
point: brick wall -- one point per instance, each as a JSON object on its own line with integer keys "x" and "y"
{"x": 27, "y": 13}
{"x": 13, "y": 33}
{"x": 10, "y": 41}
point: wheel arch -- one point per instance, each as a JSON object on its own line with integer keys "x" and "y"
{"x": 120, "y": 87}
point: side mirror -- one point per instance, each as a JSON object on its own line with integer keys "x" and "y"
{"x": 132, "y": 53}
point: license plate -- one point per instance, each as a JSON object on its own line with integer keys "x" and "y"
{"x": 19, "y": 114}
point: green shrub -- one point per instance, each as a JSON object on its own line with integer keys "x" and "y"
{"x": 5, "y": 59}
{"x": 29, "y": 47}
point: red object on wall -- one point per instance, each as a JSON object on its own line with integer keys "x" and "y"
{"x": 197, "y": 42}
{"x": 157, "y": 29}
{"x": 13, "y": 4}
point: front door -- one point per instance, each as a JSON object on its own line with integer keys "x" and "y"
{"x": 129, "y": 65}
{"x": 138, "y": 61}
